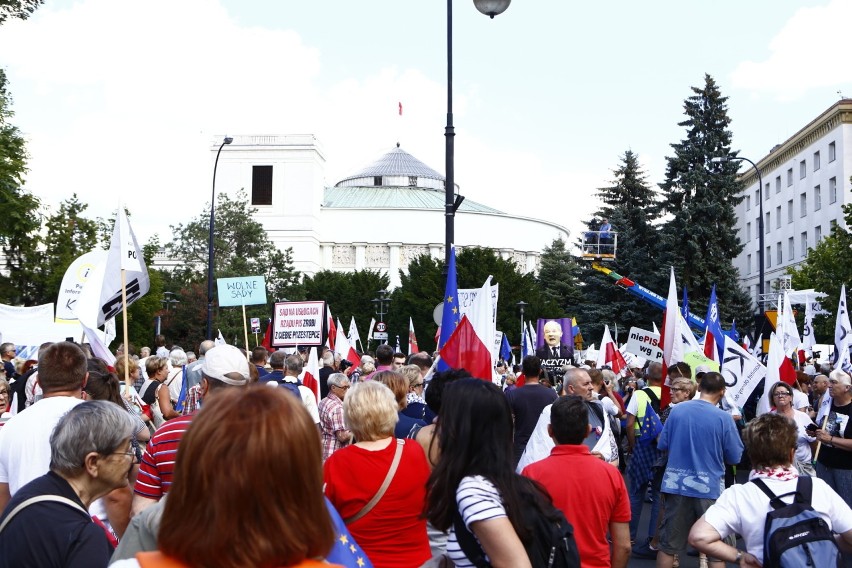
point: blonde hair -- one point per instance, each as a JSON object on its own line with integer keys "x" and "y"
{"x": 370, "y": 411}
{"x": 412, "y": 373}
{"x": 684, "y": 382}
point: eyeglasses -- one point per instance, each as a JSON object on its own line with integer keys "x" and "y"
{"x": 787, "y": 394}
{"x": 4, "y": 392}
{"x": 417, "y": 385}
{"x": 347, "y": 387}
{"x": 130, "y": 453}
{"x": 679, "y": 389}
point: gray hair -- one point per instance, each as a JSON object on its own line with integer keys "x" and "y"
{"x": 294, "y": 364}
{"x": 336, "y": 380}
{"x": 206, "y": 346}
{"x": 178, "y": 357}
{"x": 97, "y": 426}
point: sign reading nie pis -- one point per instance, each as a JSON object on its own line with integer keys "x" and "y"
{"x": 241, "y": 291}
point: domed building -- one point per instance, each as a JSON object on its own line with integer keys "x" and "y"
{"x": 379, "y": 218}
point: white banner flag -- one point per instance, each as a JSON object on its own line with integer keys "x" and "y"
{"x": 742, "y": 372}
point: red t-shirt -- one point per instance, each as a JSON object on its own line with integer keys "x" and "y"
{"x": 393, "y": 533}
{"x": 158, "y": 461}
{"x": 591, "y": 500}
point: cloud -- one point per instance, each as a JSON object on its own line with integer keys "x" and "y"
{"x": 808, "y": 53}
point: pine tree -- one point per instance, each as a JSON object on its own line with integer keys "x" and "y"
{"x": 631, "y": 206}
{"x": 559, "y": 278}
{"x": 700, "y": 239}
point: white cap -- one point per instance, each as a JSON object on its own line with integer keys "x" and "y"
{"x": 226, "y": 363}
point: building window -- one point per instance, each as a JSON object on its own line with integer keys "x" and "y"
{"x": 817, "y": 198}
{"x": 832, "y": 190}
{"x": 757, "y": 229}
{"x": 748, "y": 202}
{"x": 816, "y": 161}
{"x": 377, "y": 181}
{"x": 803, "y": 205}
{"x": 831, "y": 152}
{"x": 778, "y": 184}
{"x": 766, "y": 192}
{"x": 831, "y": 225}
{"x": 768, "y": 256}
{"x": 805, "y": 244}
{"x": 767, "y": 225}
{"x": 803, "y": 169}
{"x": 748, "y": 232}
{"x": 791, "y": 248}
{"x": 817, "y": 234}
{"x": 780, "y": 259}
{"x": 789, "y": 177}
{"x": 790, "y": 211}
{"x": 757, "y": 197}
{"x": 261, "y": 185}
{"x": 748, "y": 264}
{"x": 412, "y": 181}
{"x": 778, "y": 217}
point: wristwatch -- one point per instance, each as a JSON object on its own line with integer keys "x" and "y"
{"x": 739, "y": 556}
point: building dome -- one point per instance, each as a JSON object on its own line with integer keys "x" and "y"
{"x": 397, "y": 168}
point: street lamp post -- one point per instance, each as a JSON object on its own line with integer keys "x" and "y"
{"x": 760, "y": 236}
{"x": 521, "y": 305}
{"x": 209, "y": 335}
{"x": 381, "y": 304}
{"x": 452, "y": 202}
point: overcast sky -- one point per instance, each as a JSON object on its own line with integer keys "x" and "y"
{"x": 120, "y": 98}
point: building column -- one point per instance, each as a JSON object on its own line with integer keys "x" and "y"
{"x": 393, "y": 265}
{"x": 360, "y": 256}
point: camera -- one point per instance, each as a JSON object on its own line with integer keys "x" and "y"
{"x": 810, "y": 428}
{"x": 345, "y": 364}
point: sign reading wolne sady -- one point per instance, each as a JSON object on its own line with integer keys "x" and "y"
{"x": 297, "y": 323}
{"x": 645, "y": 344}
{"x": 241, "y": 291}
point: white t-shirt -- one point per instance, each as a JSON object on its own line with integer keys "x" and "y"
{"x": 803, "y": 442}
{"x": 610, "y": 408}
{"x": 800, "y": 400}
{"x": 477, "y": 500}
{"x": 741, "y": 509}
{"x": 25, "y": 441}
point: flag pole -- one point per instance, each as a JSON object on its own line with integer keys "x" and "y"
{"x": 128, "y": 395}
{"x": 245, "y": 330}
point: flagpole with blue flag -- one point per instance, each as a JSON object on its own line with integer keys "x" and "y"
{"x": 645, "y": 452}
{"x": 451, "y": 316}
{"x": 713, "y": 324}
{"x": 684, "y": 305}
{"x": 505, "y": 349}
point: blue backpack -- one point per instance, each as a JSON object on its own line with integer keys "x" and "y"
{"x": 292, "y": 387}
{"x": 795, "y": 535}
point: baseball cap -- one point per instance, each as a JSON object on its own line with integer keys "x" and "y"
{"x": 226, "y": 363}
{"x": 702, "y": 369}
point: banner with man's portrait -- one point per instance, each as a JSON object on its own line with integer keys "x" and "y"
{"x": 555, "y": 342}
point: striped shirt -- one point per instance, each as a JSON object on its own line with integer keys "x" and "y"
{"x": 477, "y": 500}
{"x": 158, "y": 461}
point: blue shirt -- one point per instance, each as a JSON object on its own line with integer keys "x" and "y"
{"x": 700, "y": 439}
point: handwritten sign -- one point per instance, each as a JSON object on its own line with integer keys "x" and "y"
{"x": 241, "y": 291}
{"x": 297, "y": 323}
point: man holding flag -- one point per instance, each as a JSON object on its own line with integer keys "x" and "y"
{"x": 694, "y": 473}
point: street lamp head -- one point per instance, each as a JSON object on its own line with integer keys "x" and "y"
{"x": 228, "y": 140}
{"x": 491, "y": 8}
{"x": 719, "y": 159}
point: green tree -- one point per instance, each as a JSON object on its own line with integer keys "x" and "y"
{"x": 21, "y": 9}
{"x": 348, "y": 294}
{"x": 700, "y": 239}
{"x": 21, "y": 220}
{"x": 559, "y": 278}
{"x": 423, "y": 287}
{"x": 631, "y": 206}
{"x": 242, "y": 248}
{"x": 827, "y": 266}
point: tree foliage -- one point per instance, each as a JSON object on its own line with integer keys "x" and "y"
{"x": 827, "y": 266}
{"x": 21, "y": 220}
{"x": 21, "y": 9}
{"x": 559, "y": 278}
{"x": 700, "y": 239}
{"x": 241, "y": 248}
{"x": 631, "y": 206}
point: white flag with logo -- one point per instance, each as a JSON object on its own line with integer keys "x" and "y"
{"x": 742, "y": 372}
{"x": 100, "y": 298}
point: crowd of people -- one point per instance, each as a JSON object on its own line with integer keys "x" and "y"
{"x": 239, "y": 459}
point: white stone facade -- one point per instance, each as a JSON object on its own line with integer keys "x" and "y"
{"x": 805, "y": 185}
{"x": 351, "y": 235}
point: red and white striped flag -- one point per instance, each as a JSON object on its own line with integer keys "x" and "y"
{"x": 412, "y": 340}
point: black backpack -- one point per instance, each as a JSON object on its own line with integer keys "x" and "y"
{"x": 551, "y": 544}
{"x": 655, "y": 400}
{"x": 795, "y": 535}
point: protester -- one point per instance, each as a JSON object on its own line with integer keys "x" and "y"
{"x": 270, "y": 442}
{"x": 694, "y": 473}
{"x": 90, "y": 456}
{"x": 834, "y": 463}
{"x": 392, "y": 531}
{"x": 177, "y": 362}
{"x": 741, "y": 509}
{"x": 819, "y": 391}
{"x": 25, "y": 439}
{"x": 527, "y": 402}
{"x": 223, "y": 367}
{"x": 416, "y": 405}
{"x": 406, "y": 426}
{"x": 367, "y": 367}
{"x": 259, "y": 358}
{"x": 595, "y": 501}
{"x": 5, "y": 401}
{"x": 782, "y": 396}
{"x": 475, "y": 477}
{"x": 335, "y": 435}
{"x": 285, "y": 374}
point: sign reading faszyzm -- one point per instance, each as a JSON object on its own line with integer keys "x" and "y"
{"x": 298, "y": 323}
